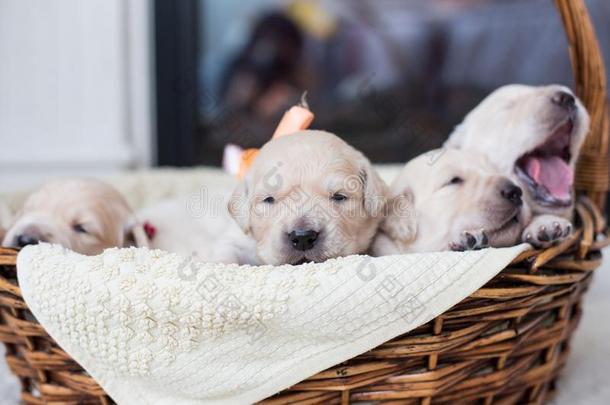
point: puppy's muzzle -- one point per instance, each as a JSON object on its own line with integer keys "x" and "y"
{"x": 302, "y": 239}
{"x": 512, "y": 193}
{"x": 25, "y": 239}
{"x": 564, "y": 100}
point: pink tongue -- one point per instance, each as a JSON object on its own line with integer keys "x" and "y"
{"x": 552, "y": 173}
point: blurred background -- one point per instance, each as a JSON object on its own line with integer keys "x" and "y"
{"x": 100, "y": 86}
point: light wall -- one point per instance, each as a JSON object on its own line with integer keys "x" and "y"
{"x": 75, "y": 88}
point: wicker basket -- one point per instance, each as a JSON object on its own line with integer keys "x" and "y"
{"x": 504, "y": 344}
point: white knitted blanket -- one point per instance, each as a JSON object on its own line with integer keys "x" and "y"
{"x": 154, "y": 328}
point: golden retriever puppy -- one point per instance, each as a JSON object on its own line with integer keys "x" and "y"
{"x": 84, "y": 215}
{"x": 533, "y": 135}
{"x": 455, "y": 201}
{"x": 309, "y": 197}
{"x": 200, "y": 228}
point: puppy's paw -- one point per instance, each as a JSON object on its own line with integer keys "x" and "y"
{"x": 470, "y": 240}
{"x": 546, "y": 230}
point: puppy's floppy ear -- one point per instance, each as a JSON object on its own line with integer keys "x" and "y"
{"x": 2, "y": 235}
{"x": 239, "y": 205}
{"x": 456, "y": 138}
{"x": 375, "y": 190}
{"x": 4, "y": 231}
{"x": 9, "y": 215}
{"x": 135, "y": 235}
{"x": 399, "y": 221}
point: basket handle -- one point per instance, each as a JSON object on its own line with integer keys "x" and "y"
{"x": 592, "y": 171}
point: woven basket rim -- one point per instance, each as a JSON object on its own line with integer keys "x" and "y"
{"x": 538, "y": 283}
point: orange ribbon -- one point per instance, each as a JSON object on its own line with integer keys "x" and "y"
{"x": 296, "y": 119}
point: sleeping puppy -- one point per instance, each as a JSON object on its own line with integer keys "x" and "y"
{"x": 457, "y": 201}
{"x": 200, "y": 228}
{"x": 84, "y": 215}
{"x": 533, "y": 135}
{"x": 309, "y": 197}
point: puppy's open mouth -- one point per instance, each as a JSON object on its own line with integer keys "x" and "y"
{"x": 546, "y": 170}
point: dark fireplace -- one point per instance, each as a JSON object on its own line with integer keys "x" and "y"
{"x": 391, "y": 77}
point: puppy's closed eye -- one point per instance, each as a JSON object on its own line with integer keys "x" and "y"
{"x": 79, "y": 228}
{"x": 456, "y": 180}
{"x": 338, "y": 197}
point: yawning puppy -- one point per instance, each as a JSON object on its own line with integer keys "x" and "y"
{"x": 84, "y": 215}
{"x": 533, "y": 135}
{"x": 309, "y": 197}
{"x": 457, "y": 201}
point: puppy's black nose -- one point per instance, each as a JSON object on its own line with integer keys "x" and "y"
{"x": 303, "y": 239}
{"x": 24, "y": 240}
{"x": 512, "y": 193}
{"x": 564, "y": 100}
